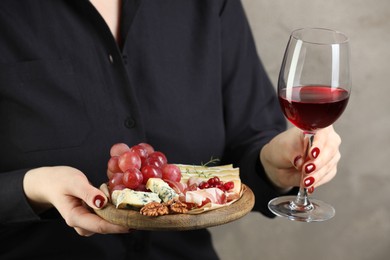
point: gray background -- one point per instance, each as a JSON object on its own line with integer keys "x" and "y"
{"x": 360, "y": 192}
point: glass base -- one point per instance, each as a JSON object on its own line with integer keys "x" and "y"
{"x": 315, "y": 211}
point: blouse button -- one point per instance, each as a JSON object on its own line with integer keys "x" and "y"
{"x": 129, "y": 122}
{"x": 125, "y": 59}
{"x": 110, "y": 58}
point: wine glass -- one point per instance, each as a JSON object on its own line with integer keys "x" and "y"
{"x": 313, "y": 89}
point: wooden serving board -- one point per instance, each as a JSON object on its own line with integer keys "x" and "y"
{"x": 180, "y": 222}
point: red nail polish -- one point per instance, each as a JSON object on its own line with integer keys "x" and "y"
{"x": 297, "y": 159}
{"x": 308, "y": 181}
{"x": 309, "y": 168}
{"x": 98, "y": 201}
{"x": 310, "y": 190}
{"x": 315, "y": 152}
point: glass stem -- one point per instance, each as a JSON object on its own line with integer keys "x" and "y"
{"x": 302, "y": 201}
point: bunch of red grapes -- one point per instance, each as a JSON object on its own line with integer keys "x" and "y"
{"x": 131, "y": 167}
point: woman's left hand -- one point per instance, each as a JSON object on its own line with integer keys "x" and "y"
{"x": 284, "y": 162}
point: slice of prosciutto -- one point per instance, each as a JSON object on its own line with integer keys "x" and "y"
{"x": 197, "y": 197}
{"x": 178, "y": 187}
{"x": 194, "y": 181}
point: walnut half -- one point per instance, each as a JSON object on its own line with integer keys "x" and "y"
{"x": 178, "y": 207}
{"x": 154, "y": 209}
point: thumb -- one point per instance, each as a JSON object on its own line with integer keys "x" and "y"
{"x": 99, "y": 201}
{"x": 95, "y": 198}
{"x": 287, "y": 149}
{"x": 92, "y": 196}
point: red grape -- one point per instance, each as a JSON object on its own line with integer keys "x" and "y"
{"x": 110, "y": 174}
{"x": 117, "y": 187}
{"x": 159, "y": 156}
{"x": 141, "y": 187}
{"x": 117, "y": 179}
{"x": 148, "y": 147}
{"x": 153, "y": 161}
{"x": 140, "y": 150}
{"x": 118, "y": 149}
{"x": 150, "y": 171}
{"x": 129, "y": 160}
{"x": 132, "y": 178}
{"x": 112, "y": 164}
{"x": 171, "y": 172}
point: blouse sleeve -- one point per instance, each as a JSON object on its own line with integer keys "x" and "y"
{"x": 252, "y": 113}
{"x": 14, "y": 206}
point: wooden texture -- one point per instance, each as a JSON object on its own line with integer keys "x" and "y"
{"x": 180, "y": 222}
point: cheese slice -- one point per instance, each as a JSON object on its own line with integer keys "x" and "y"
{"x": 129, "y": 198}
{"x": 164, "y": 191}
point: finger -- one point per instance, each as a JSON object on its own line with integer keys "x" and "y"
{"x": 92, "y": 196}
{"x": 325, "y": 140}
{"x": 83, "y": 232}
{"x": 327, "y": 156}
{"x": 87, "y": 223}
{"x": 323, "y": 174}
{"x": 328, "y": 172}
{"x": 329, "y": 176}
{"x": 292, "y": 178}
{"x": 321, "y": 137}
{"x": 292, "y": 152}
{"x": 295, "y": 149}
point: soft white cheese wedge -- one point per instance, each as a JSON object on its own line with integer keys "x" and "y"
{"x": 127, "y": 197}
{"x": 162, "y": 188}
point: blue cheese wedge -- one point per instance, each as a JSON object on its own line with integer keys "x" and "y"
{"x": 161, "y": 188}
{"x": 130, "y": 198}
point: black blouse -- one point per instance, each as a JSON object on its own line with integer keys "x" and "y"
{"x": 186, "y": 78}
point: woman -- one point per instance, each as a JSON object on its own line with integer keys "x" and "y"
{"x": 78, "y": 76}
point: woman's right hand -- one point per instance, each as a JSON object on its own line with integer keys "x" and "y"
{"x": 69, "y": 191}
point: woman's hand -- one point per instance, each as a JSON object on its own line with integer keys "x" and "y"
{"x": 68, "y": 190}
{"x": 283, "y": 158}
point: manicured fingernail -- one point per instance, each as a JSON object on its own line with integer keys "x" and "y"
{"x": 315, "y": 152}
{"x": 309, "y": 168}
{"x": 98, "y": 201}
{"x": 308, "y": 181}
{"x": 299, "y": 157}
{"x": 310, "y": 190}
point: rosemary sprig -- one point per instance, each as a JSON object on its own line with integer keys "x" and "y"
{"x": 211, "y": 161}
{"x": 194, "y": 171}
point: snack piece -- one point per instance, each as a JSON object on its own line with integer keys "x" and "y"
{"x": 127, "y": 198}
{"x": 176, "y": 206}
{"x": 162, "y": 188}
{"x": 225, "y": 173}
{"x": 154, "y": 209}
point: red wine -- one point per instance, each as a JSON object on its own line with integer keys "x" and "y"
{"x": 313, "y": 107}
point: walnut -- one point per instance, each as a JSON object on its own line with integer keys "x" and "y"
{"x": 177, "y": 207}
{"x": 169, "y": 203}
{"x": 154, "y": 209}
